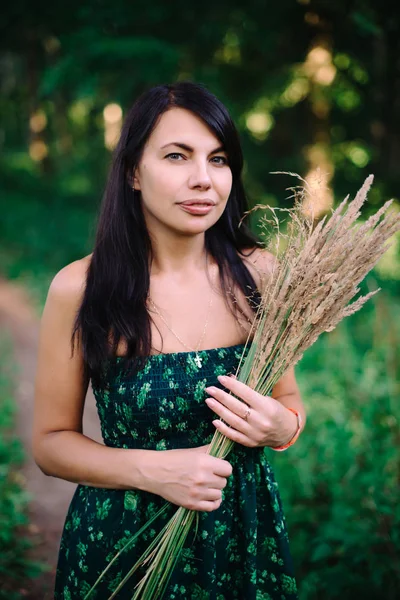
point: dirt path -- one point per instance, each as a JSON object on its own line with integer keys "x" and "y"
{"x": 50, "y": 496}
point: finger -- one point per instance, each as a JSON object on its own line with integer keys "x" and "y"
{"x": 228, "y": 416}
{"x": 212, "y": 494}
{"x": 209, "y": 506}
{"x": 234, "y": 435}
{"x": 233, "y": 404}
{"x": 222, "y": 467}
{"x": 218, "y": 483}
{"x": 242, "y": 390}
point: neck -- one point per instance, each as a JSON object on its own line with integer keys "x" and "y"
{"x": 177, "y": 254}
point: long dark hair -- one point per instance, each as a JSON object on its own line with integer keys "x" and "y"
{"x": 114, "y": 302}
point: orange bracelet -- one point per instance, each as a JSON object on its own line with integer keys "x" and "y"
{"x": 296, "y": 435}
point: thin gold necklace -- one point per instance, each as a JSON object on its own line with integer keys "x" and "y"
{"x": 197, "y": 359}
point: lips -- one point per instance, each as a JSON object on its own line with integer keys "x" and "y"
{"x": 197, "y": 209}
{"x": 197, "y": 203}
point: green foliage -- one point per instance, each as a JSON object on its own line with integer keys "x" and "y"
{"x": 340, "y": 482}
{"x": 41, "y": 230}
{"x": 72, "y": 63}
{"x": 91, "y": 54}
{"x": 15, "y": 566}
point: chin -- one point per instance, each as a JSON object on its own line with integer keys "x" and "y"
{"x": 195, "y": 228}
{"x": 191, "y": 231}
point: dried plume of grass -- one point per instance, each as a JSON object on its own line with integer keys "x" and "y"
{"x": 306, "y": 293}
{"x": 309, "y": 290}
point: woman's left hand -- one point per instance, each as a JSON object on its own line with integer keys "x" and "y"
{"x": 266, "y": 423}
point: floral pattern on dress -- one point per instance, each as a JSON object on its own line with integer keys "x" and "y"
{"x": 241, "y": 550}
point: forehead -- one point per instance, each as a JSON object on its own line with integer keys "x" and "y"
{"x": 183, "y": 125}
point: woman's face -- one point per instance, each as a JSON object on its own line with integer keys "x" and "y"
{"x": 183, "y": 162}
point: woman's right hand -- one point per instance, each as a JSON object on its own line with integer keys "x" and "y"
{"x": 189, "y": 477}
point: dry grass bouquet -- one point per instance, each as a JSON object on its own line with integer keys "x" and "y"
{"x": 309, "y": 290}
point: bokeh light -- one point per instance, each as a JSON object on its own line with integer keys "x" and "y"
{"x": 319, "y": 198}
{"x": 319, "y": 67}
{"x": 259, "y": 124}
{"x": 79, "y": 110}
{"x": 112, "y": 115}
{"x": 38, "y": 150}
{"x": 38, "y": 121}
{"x": 229, "y": 52}
{"x": 296, "y": 91}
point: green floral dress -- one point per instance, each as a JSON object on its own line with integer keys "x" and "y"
{"x": 241, "y": 550}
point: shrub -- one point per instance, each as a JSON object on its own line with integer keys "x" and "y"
{"x": 340, "y": 482}
{"x": 15, "y": 565}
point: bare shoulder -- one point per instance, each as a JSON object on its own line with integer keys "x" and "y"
{"x": 68, "y": 284}
{"x": 61, "y": 382}
{"x": 260, "y": 263}
{"x": 261, "y": 258}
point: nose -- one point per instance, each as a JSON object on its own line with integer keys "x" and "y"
{"x": 199, "y": 176}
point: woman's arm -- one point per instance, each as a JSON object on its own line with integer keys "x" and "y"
{"x": 266, "y": 421}
{"x": 188, "y": 477}
{"x": 59, "y": 447}
{"x": 286, "y": 391}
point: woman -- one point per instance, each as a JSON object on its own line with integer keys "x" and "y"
{"x": 159, "y": 313}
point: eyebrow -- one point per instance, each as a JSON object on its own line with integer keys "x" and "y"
{"x": 190, "y": 149}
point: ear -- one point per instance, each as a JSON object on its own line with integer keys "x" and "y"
{"x": 136, "y": 181}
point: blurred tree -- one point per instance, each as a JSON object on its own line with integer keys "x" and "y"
{"x": 311, "y": 84}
